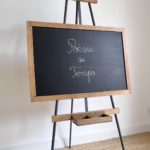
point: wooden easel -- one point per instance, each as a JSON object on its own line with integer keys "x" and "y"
{"x": 88, "y": 117}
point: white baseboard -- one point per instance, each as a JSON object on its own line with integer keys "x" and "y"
{"x": 87, "y": 138}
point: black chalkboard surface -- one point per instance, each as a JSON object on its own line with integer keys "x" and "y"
{"x": 72, "y": 61}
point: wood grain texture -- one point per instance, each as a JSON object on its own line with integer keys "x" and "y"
{"x": 36, "y": 98}
{"x": 81, "y": 120}
{"x": 126, "y": 61}
{"x": 88, "y": 1}
{"x": 67, "y": 117}
{"x": 73, "y": 26}
{"x": 79, "y": 95}
{"x": 31, "y": 61}
{"x": 133, "y": 142}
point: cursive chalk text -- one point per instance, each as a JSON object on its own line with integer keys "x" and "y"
{"x": 77, "y": 72}
{"x": 78, "y": 48}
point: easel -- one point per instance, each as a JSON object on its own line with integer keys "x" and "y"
{"x": 69, "y": 117}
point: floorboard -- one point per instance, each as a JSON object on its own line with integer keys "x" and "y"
{"x": 133, "y": 142}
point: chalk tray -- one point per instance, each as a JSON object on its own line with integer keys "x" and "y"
{"x": 90, "y": 118}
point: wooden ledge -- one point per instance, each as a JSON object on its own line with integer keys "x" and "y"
{"x": 88, "y": 1}
{"x": 92, "y": 118}
{"x": 67, "y": 117}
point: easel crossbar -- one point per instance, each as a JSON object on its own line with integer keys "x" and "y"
{"x": 66, "y": 117}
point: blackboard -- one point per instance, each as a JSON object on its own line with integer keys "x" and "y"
{"x": 74, "y": 61}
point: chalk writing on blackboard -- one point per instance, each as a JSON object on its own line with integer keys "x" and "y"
{"x": 78, "y": 72}
{"x": 78, "y": 47}
{"x": 75, "y": 48}
{"x": 81, "y": 60}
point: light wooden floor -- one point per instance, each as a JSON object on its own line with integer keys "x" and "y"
{"x": 134, "y": 142}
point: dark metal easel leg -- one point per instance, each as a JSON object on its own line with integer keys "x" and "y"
{"x": 65, "y": 11}
{"x": 54, "y": 126}
{"x": 70, "y": 136}
{"x": 118, "y": 126}
{"x": 80, "y": 15}
{"x": 86, "y": 104}
{"x": 56, "y": 104}
{"x": 91, "y": 12}
{"x": 77, "y": 12}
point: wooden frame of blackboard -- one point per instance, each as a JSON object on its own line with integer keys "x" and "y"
{"x": 35, "y": 98}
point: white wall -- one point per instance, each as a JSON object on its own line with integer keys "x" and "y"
{"x": 26, "y": 125}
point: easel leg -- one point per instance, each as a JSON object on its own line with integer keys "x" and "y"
{"x": 86, "y": 104}
{"x": 91, "y": 12}
{"x": 80, "y": 15}
{"x": 77, "y": 12}
{"x": 70, "y": 136}
{"x": 56, "y": 104}
{"x": 65, "y": 11}
{"x": 118, "y": 126}
{"x": 54, "y": 127}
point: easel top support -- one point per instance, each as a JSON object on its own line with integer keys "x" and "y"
{"x": 88, "y": 1}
